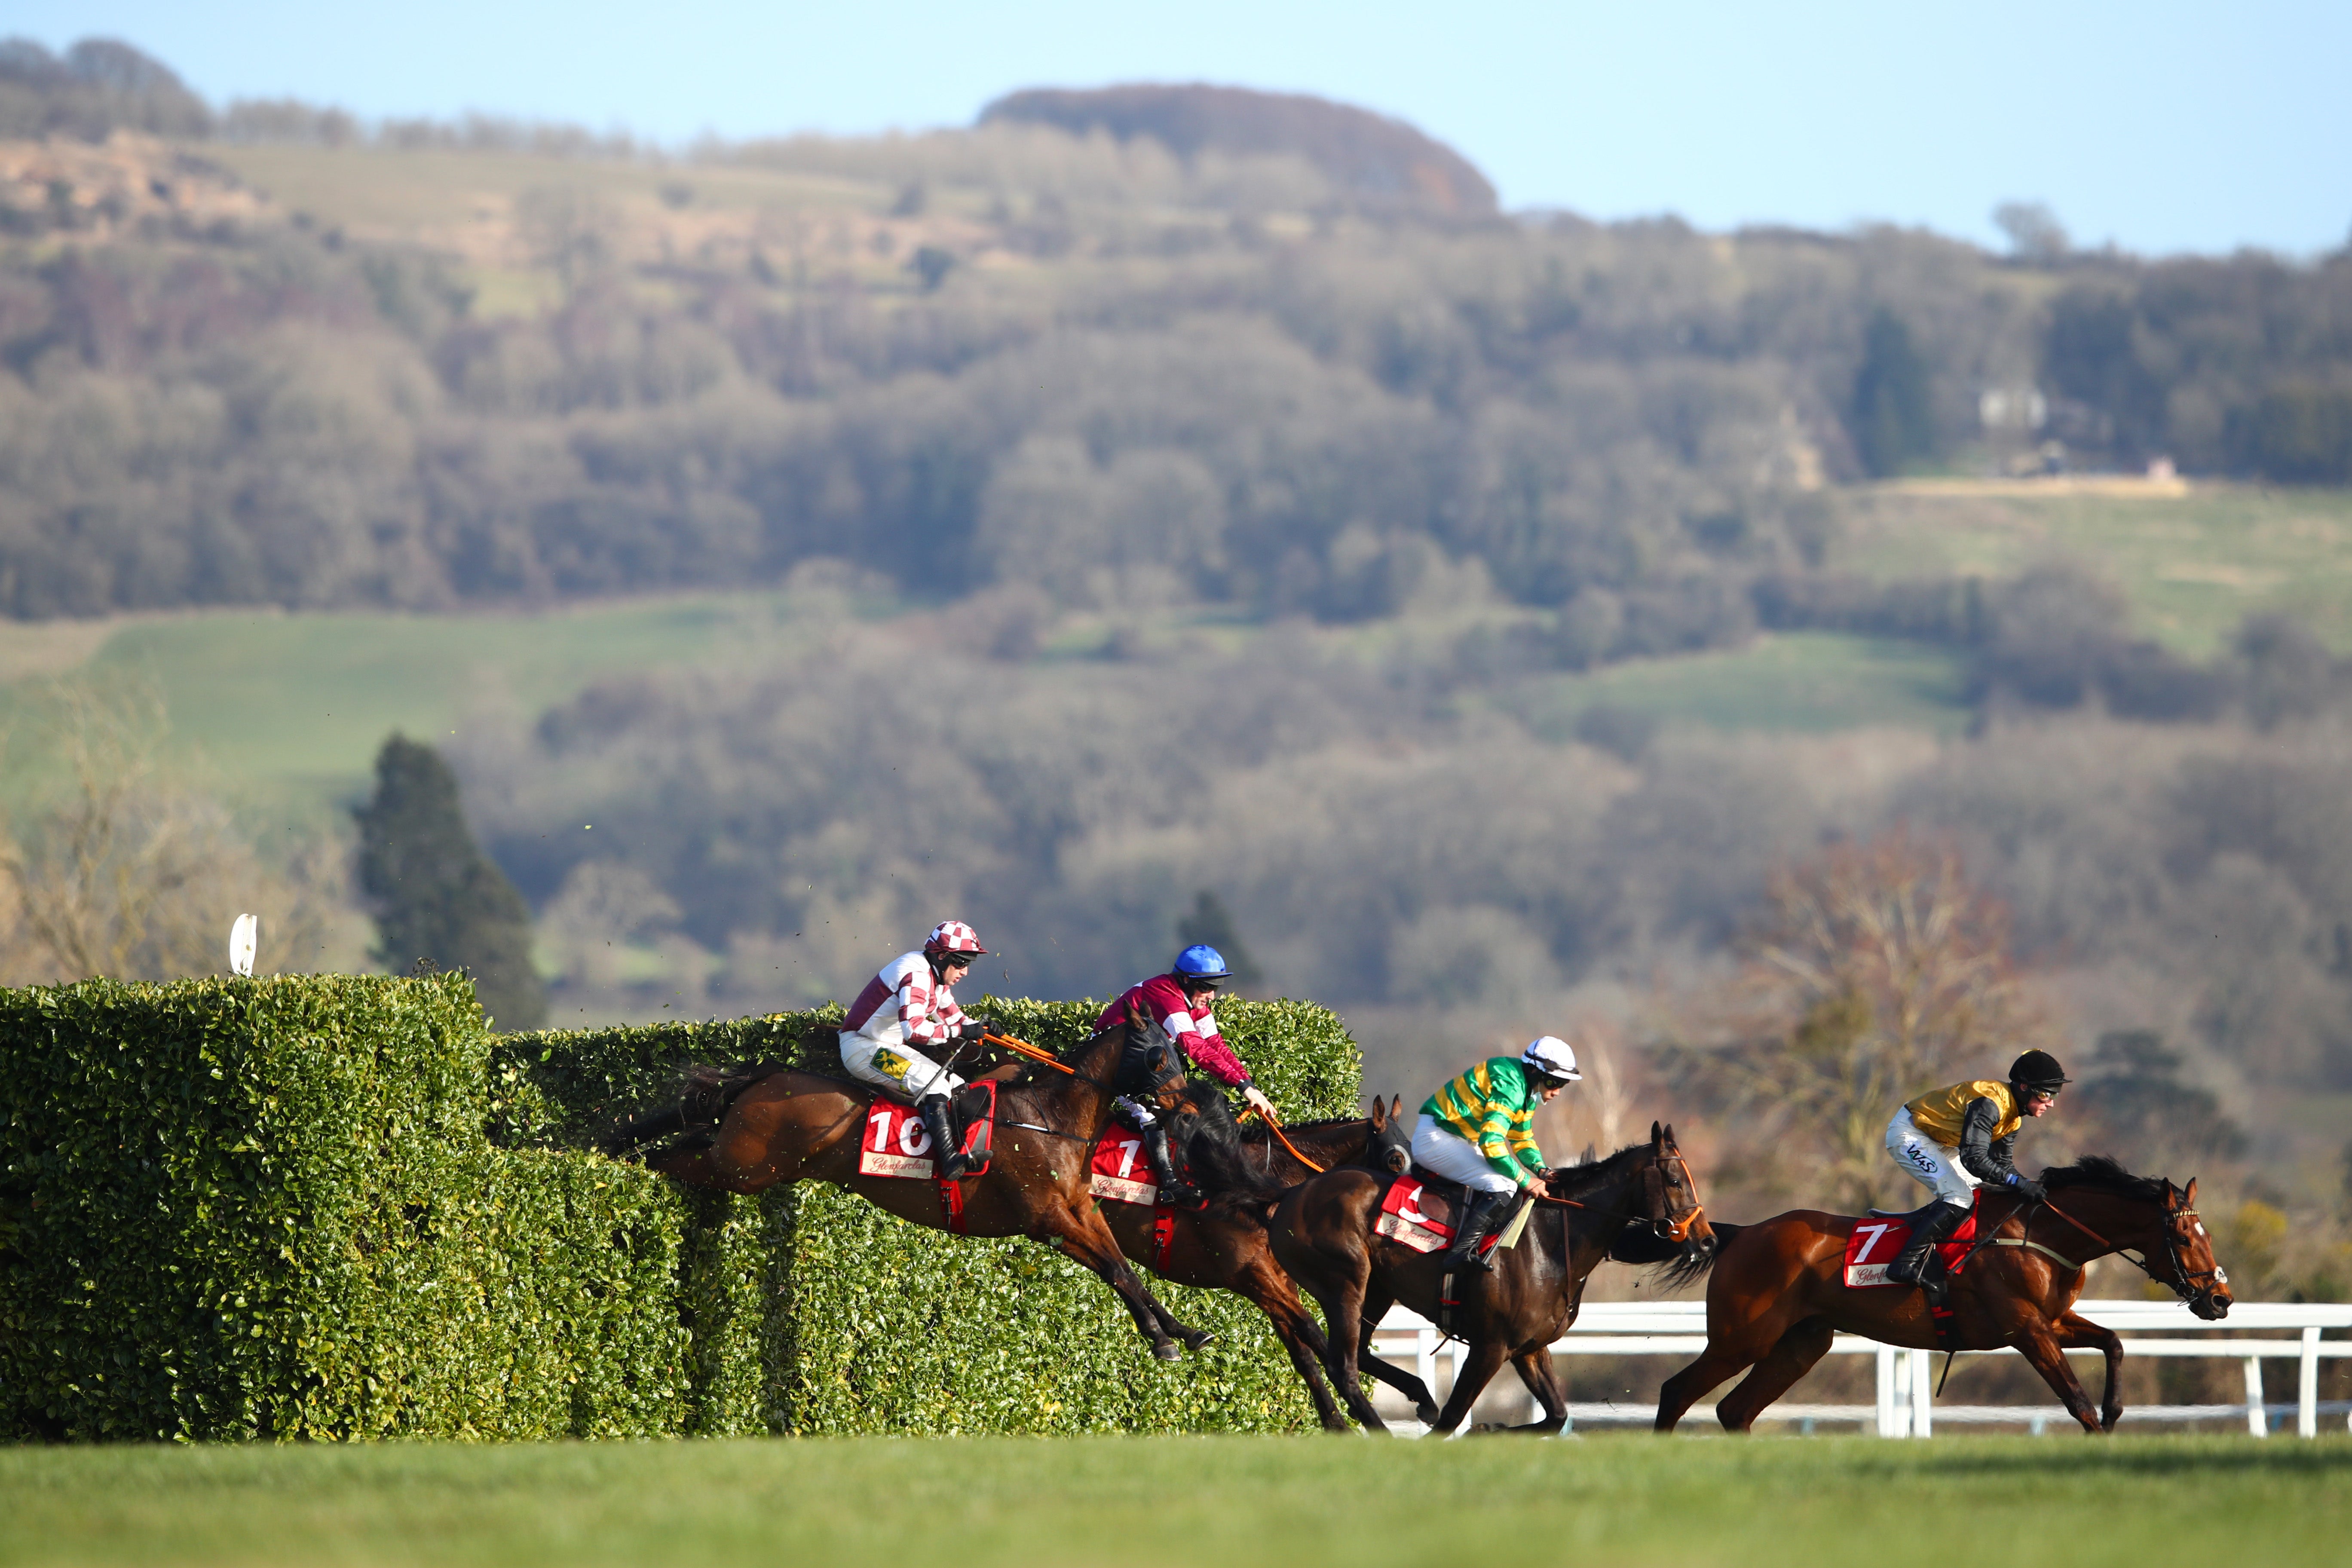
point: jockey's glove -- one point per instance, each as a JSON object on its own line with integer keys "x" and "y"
{"x": 2026, "y": 1187}
{"x": 970, "y": 1029}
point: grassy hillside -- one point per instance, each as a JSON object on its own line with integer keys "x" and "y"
{"x": 1621, "y": 1499}
{"x": 2193, "y": 558}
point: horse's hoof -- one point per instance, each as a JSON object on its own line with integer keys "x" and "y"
{"x": 1166, "y": 1351}
{"x": 1426, "y": 1415}
{"x": 1197, "y": 1338}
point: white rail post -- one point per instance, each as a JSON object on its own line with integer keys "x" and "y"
{"x": 1923, "y": 1393}
{"x": 1424, "y": 1360}
{"x": 1886, "y": 1392}
{"x": 2258, "y": 1421}
{"x": 2306, "y": 1387}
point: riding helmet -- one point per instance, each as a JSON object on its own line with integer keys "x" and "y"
{"x": 1548, "y": 1056}
{"x": 954, "y": 939}
{"x": 1202, "y": 963}
{"x": 2038, "y": 1069}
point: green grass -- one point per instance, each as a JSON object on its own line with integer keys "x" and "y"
{"x": 296, "y": 705}
{"x": 1298, "y": 1503}
{"x": 2193, "y": 566}
{"x": 1808, "y": 682}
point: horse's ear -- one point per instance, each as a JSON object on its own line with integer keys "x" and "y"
{"x": 1396, "y": 1108}
{"x": 2189, "y": 1193}
{"x": 1134, "y": 1019}
{"x": 1657, "y": 1133}
{"x": 1670, "y": 1136}
{"x": 1379, "y": 1113}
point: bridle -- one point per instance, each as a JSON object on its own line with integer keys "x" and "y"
{"x": 2197, "y": 1287}
{"x": 1673, "y": 1227}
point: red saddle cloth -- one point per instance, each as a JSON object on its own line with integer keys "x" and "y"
{"x": 1876, "y": 1243}
{"x": 897, "y": 1142}
{"x": 1120, "y": 1172}
{"x": 1416, "y": 1216}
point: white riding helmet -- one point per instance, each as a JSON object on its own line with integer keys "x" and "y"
{"x": 1552, "y": 1056}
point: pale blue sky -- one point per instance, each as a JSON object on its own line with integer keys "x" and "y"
{"x": 2160, "y": 126}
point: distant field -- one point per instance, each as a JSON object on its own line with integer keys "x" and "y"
{"x": 301, "y": 702}
{"x": 1807, "y": 682}
{"x": 1299, "y": 1502}
{"x": 2194, "y": 565}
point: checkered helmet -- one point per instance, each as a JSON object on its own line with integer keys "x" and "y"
{"x": 954, "y": 938}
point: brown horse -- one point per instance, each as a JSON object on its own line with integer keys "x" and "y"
{"x": 776, "y": 1124}
{"x": 1779, "y": 1294}
{"x": 1223, "y": 1245}
{"x": 1640, "y": 1205}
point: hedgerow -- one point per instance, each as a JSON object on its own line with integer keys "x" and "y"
{"x": 336, "y": 1207}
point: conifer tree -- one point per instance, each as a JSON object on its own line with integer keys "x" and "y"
{"x": 437, "y": 897}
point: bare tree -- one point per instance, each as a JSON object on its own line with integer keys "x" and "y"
{"x": 125, "y": 871}
{"x": 1875, "y": 971}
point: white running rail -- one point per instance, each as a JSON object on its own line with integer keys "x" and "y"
{"x": 1905, "y": 1406}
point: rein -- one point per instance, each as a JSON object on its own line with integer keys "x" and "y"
{"x": 2180, "y": 1285}
{"x": 1276, "y": 1128}
{"x": 1672, "y": 1229}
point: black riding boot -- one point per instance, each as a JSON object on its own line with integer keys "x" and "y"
{"x": 947, "y": 1156}
{"x": 1174, "y": 1188}
{"x": 1480, "y": 1211}
{"x": 1913, "y": 1263}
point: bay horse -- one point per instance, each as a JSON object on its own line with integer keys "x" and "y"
{"x": 1223, "y": 1245}
{"x": 1778, "y": 1294}
{"x": 1640, "y": 1205}
{"x": 765, "y": 1126}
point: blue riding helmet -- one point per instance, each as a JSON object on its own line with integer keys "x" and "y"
{"x": 1201, "y": 962}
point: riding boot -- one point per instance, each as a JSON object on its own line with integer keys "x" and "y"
{"x": 1913, "y": 1264}
{"x": 1173, "y": 1188}
{"x": 947, "y": 1155}
{"x": 1480, "y": 1211}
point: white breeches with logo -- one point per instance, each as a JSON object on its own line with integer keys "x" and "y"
{"x": 1930, "y": 1163}
{"x": 897, "y": 1069}
{"x": 1444, "y": 1153}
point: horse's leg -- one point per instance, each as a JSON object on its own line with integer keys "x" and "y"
{"x": 696, "y": 1168}
{"x": 1425, "y": 1402}
{"x": 1265, "y": 1286}
{"x": 1342, "y": 1301}
{"x": 1535, "y": 1369}
{"x": 2039, "y": 1344}
{"x": 1782, "y": 1366}
{"x": 2078, "y": 1330}
{"x": 1082, "y": 1235}
{"x": 1721, "y": 1359}
{"x": 1478, "y": 1369}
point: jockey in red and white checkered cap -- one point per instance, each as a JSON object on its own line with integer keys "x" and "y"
{"x": 906, "y": 1009}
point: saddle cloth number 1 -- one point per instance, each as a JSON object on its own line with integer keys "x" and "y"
{"x": 1116, "y": 1174}
{"x": 897, "y": 1142}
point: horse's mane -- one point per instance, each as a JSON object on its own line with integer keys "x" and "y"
{"x": 2099, "y": 1174}
{"x": 1212, "y": 1141}
{"x": 1586, "y": 1174}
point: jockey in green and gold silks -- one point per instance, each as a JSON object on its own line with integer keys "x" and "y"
{"x": 1476, "y": 1132}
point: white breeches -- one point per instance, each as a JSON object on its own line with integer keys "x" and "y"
{"x": 1455, "y": 1157}
{"x": 1930, "y": 1163}
{"x": 900, "y": 1071}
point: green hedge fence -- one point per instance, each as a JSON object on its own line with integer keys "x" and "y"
{"x": 337, "y": 1207}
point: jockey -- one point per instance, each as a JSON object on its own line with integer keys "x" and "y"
{"x": 1957, "y": 1138}
{"x": 1179, "y": 1002}
{"x": 1474, "y": 1132}
{"x": 908, "y": 1006}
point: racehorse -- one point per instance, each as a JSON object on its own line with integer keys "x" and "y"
{"x": 1779, "y": 1294}
{"x": 1223, "y": 1245}
{"x": 751, "y": 1129}
{"x": 1640, "y": 1205}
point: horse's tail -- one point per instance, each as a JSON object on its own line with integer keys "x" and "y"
{"x": 702, "y": 1101}
{"x": 1690, "y": 1266}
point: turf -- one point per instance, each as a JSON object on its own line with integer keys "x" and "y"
{"x": 1814, "y": 1503}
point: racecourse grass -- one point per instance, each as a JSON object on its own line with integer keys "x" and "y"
{"x": 1299, "y": 1502}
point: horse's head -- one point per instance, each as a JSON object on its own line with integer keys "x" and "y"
{"x": 1391, "y": 1142}
{"x": 1149, "y": 1070}
{"x": 1666, "y": 1224}
{"x": 2196, "y": 1277}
